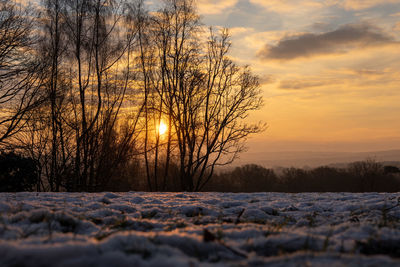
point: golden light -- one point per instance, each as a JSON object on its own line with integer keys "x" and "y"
{"x": 162, "y": 129}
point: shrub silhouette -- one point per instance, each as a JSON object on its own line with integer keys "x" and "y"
{"x": 390, "y": 169}
{"x": 367, "y": 174}
{"x": 17, "y": 173}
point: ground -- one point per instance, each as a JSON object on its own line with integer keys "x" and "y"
{"x": 199, "y": 229}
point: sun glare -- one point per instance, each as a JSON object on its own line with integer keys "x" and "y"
{"x": 162, "y": 129}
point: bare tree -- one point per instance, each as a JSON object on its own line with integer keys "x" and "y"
{"x": 98, "y": 58}
{"x": 78, "y": 134}
{"x": 199, "y": 91}
{"x": 215, "y": 129}
{"x": 20, "y": 73}
{"x": 368, "y": 172}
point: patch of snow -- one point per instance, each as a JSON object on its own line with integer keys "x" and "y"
{"x": 199, "y": 229}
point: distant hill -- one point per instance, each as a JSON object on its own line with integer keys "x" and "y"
{"x": 310, "y": 159}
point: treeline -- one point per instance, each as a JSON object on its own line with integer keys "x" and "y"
{"x": 86, "y": 84}
{"x": 18, "y": 173}
{"x": 362, "y": 176}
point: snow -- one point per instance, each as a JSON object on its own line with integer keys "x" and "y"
{"x": 199, "y": 229}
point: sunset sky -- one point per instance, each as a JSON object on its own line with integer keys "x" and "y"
{"x": 330, "y": 70}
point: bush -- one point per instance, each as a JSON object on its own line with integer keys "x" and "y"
{"x": 17, "y": 173}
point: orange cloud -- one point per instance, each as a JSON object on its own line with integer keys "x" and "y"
{"x": 288, "y": 6}
{"x": 304, "y": 83}
{"x": 361, "y": 4}
{"x": 397, "y": 27}
{"x": 214, "y": 6}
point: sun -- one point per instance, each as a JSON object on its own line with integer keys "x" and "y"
{"x": 162, "y": 129}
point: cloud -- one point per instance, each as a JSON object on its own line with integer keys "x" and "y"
{"x": 321, "y": 26}
{"x": 240, "y": 31}
{"x": 338, "y": 41}
{"x": 214, "y": 6}
{"x": 396, "y": 27}
{"x": 368, "y": 72}
{"x": 267, "y": 79}
{"x": 288, "y": 6}
{"x": 361, "y": 4}
{"x": 302, "y": 84}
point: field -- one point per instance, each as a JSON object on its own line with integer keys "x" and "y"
{"x": 199, "y": 229}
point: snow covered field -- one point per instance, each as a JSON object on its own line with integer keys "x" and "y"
{"x": 199, "y": 229}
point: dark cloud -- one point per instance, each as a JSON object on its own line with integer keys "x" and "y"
{"x": 267, "y": 79}
{"x": 366, "y": 72}
{"x": 340, "y": 40}
{"x": 321, "y": 26}
{"x": 301, "y": 84}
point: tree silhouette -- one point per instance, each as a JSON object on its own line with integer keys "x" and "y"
{"x": 190, "y": 82}
{"x": 17, "y": 173}
{"x": 20, "y": 74}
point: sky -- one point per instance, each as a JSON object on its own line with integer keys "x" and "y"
{"x": 329, "y": 70}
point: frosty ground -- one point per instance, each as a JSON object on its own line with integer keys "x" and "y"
{"x": 199, "y": 229}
